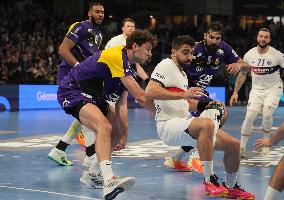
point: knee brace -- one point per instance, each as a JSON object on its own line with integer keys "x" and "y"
{"x": 248, "y": 122}
{"x": 267, "y": 118}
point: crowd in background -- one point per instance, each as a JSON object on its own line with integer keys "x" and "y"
{"x": 30, "y": 35}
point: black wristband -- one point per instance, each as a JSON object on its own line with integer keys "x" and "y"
{"x": 201, "y": 105}
{"x": 145, "y": 82}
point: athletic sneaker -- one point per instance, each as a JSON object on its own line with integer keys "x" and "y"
{"x": 214, "y": 189}
{"x": 91, "y": 180}
{"x": 59, "y": 157}
{"x": 265, "y": 151}
{"x": 116, "y": 185}
{"x": 239, "y": 193}
{"x": 243, "y": 153}
{"x": 177, "y": 165}
{"x": 195, "y": 163}
{"x": 88, "y": 161}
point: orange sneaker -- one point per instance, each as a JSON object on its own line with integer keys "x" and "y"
{"x": 195, "y": 163}
{"x": 80, "y": 138}
{"x": 214, "y": 189}
{"x": 239, "y": 193}
{"x": 176, "y": 165}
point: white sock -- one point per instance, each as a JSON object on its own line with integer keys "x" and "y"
{"x": 95, "y": 167}
{"x": 208, "y": 169}
{"x": 89, "y": 136}
{"x": 271, "y": 194}
{"x": 106, "y": 170}
{"x": 231, "y": 179}
{"x": 244, "y": 141}
{"x": 179, "y": 155}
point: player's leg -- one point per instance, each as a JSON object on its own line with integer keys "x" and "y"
{"x": 255, "y": 105}
{"x": 203, "y": 130}
{"x": 93, "y": 117}
{"x": 58, "y": 154}
{"x": 276, "y": 184}
{"x": 231, "y": 148}
{"x": 271, "y": 102}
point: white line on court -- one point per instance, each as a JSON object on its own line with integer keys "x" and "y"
{"x": 43, "y": 191}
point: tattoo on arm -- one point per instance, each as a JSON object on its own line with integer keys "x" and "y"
{"x": 239, "y": 82}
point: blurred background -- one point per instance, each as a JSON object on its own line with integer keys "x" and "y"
{"x": 32, "y": 30}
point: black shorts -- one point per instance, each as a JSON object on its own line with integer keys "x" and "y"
{"x": 74, "y": 111}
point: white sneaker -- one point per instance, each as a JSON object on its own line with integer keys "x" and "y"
{"x": 88, "y": 161}
{"x": 91, "y": 180}
{"x": 59, "y": 157}
{"x": 117, "y": 185}
{"x": 265, "y": 151}
{"x": 243, "y": 153}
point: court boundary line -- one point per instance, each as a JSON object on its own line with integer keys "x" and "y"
{"x": 48, "y": 192}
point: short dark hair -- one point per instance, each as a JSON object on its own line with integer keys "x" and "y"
{"x": 140, "y": 37}
{"x": 127, "y": 20}
{"x": 92, "y": 4}
{"x": 215, "y": 27}
{"x": 182, "y": 39}
{"x": 264, "y": 29}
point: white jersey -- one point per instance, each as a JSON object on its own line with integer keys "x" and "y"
{"x": 169, "y": 75}
{"x": 116, "y": 41}
{"x": 265, "y": 68}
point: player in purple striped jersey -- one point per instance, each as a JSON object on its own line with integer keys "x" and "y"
{"x": 82, "y": 40}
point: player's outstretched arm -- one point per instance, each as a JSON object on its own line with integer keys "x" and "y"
{"x": 238, "y": 84}
{"x": 267, "y": 142}
{"x": 138, "y": 93}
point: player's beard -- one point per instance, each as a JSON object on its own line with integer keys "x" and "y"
{"x": 182, "y": 64}
{"x": 139, "y": 59}
{"x": 263, "y": 46}
{"x": 93, "y": 21}
{"x": 211, "y": 48}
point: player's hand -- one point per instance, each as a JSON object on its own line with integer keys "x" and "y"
{"x": 193, "y": 93}
{"x": 234, "y": 68}
{"x": 122, "y": 142}
{"x": 234, "y": 98}
{"x": 264, "y": 142}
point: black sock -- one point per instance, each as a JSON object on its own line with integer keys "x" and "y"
{"x": 90, "y": 150}
{"x": 187, "y": 148}
{"x": 62, "y": 145}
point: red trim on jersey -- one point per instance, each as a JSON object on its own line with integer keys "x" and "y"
{"x": 174, "y": 89}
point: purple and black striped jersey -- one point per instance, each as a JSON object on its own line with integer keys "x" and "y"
{"x": 97, "y": 77}
{"x": 205, "y": 66}
{"x": 87, "y": 38}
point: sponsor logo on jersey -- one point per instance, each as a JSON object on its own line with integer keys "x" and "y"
{"x": 159, "y": 76}
{"x": 264, "y": 70}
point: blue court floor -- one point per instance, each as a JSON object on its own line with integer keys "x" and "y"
{"x": 26, "y": 137}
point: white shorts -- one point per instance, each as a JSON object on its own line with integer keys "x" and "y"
{"x": 172, "y": 132}
{"x": 264, "y": 98}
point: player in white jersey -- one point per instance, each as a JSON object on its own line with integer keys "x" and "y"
{"x": 267, "y": 87}
{"x": 168, "y": 87}
{"x": 128, "y": 26}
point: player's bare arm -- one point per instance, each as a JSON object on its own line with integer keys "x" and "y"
{"x": 238, "y": 84}
{"x": 65, "y": 51}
